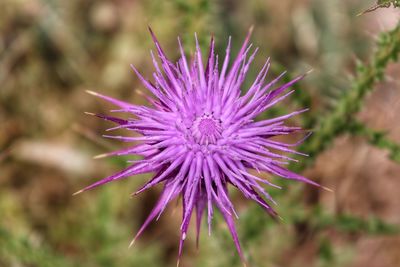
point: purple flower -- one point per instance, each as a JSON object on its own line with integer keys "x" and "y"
{"x": 200, "y": 134}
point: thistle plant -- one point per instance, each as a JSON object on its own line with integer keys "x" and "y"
{"x": 341, "y": 118}
{"x": 200, "y": 135}
{"x": 50, "y": 50}
{"x": 382, "y": 4}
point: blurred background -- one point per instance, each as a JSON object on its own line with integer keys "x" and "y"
{"x": 51, "y": 51}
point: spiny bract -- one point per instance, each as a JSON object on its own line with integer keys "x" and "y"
{"x": 200, "y": 134}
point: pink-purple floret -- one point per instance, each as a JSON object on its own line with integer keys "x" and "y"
{"x": 200, "y": 134}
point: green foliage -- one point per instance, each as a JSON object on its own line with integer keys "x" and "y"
{"x": 99, "y": 239}
{"x": 396, "y": 3}
{"x": 338, "y": 120}
{"x": 326, "y": 250}
{"x": 376, "y": 138}
{"x": 347, "y": 223}
{"x": 382, "y": 4}
{"x": 192, "y": 12}
{"x": 14, "y": 248}
{"x": 328, "y": 126}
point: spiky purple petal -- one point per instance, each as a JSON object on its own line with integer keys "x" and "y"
{"x": 200, "y": 135}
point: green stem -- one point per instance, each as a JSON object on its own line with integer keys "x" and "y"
{"x": 376, "y": 138}
{"x": 337, "y": 121}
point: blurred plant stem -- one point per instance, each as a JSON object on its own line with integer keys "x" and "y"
{"x": 338, "y": 120}
{"x": 381, "y": 4}
{"x": 328, "y": 126}
{"x": 376, "y": 138}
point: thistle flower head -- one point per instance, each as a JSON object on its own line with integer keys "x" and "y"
{"x": 200, "y": 135}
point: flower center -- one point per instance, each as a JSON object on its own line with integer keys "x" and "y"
{"x": 206, "y": 129}
{"x": 207, "y": 126}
